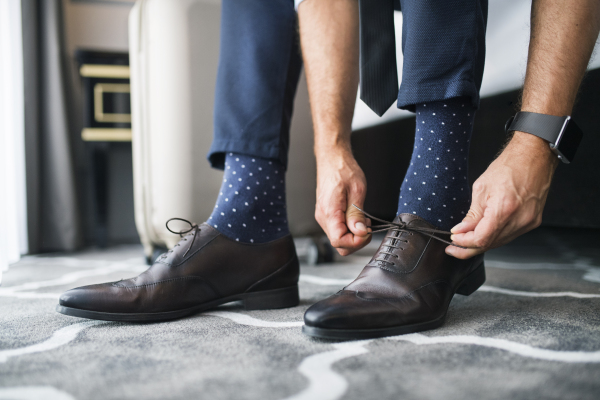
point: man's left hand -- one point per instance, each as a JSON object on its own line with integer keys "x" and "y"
{"x": 508, "y": 199}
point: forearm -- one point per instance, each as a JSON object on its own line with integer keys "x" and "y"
{"x": 329, "y": 38}
{"x": 563, "y": 34}
{"x": 509, "y": 197}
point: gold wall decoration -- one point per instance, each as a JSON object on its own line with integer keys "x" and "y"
{"x": 104, "y": 71}
{"x": 106, "y": 135}
{"x": 99, "y": 90}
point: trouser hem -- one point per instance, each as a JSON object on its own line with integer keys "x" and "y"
{"x": 219, "y": 148}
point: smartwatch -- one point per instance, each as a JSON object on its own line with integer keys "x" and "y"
{"x": 562, "y": 133}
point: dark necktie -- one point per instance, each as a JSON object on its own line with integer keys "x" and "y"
{"x": 378, "y": 71}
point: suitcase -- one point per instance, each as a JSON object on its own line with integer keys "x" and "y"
{"x": 174, "y": 49}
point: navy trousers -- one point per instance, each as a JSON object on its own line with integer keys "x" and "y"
{"x": 443, "y": 42}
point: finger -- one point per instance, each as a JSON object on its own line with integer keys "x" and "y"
{"x": 351, "y": 242}
{"x": 356, "y": 220}
{"x": 340, "y": 237}
{"x": 337, "y": 230}
{"x": 346, "y": 252}
{"x": 476, "y": 211}
{"x": 485, "y": 233}
{"x": 462, "y": 254}
{"x": 464, "y": 232}
{"x": 466, "y": 225}
{"x": 512, "y": 230}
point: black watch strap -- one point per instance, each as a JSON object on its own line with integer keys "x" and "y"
{"x": 547, "y": 127}
{"x": 562, "y": 133}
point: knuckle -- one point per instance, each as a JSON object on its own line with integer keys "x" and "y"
{"x": 529, "y": 218}
{"x": 358, "y": 188}
{"x": 533, "y": 220}
{"x": 478, "y": 187}
{"x": 511, "y": 206}
{"x": 473, "y": 214}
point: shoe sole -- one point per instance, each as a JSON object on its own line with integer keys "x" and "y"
{"x": 469, "y": 285}
{"x": 357, "y": 334}
{"x": 266, "y": 300}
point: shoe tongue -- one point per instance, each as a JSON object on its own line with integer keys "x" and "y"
{"x": 407, "y": 246}
{"x": 187, "y": 244}
{"x": 413, "y": 220}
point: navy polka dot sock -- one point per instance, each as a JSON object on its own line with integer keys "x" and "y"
{"x": 251, "y": 203}
{"x": 436, "y": 187}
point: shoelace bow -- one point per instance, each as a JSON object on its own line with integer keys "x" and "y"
{"x": 193, "y": 228}
{"x": 403, "y": 227}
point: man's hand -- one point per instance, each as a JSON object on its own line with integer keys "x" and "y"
{"x": 508, "y": 199}
{"x": 341, "y": 183}
{"x": 329, "y": 37}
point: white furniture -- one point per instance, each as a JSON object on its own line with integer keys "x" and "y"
{"x": 174, "y": 48}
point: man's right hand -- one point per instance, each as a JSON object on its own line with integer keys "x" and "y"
{"x": 329, "y": 37}
{"x": 341, "y": 183}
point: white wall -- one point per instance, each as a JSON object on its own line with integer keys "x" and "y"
{"x": 506, "y": 57}
{"x": 96, "y": 24}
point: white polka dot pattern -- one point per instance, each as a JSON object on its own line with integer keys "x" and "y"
{"x": 436, "y": 186}
{"x": 251, "y": 203}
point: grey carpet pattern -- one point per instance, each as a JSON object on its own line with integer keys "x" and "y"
{"x": 533, "y": 331}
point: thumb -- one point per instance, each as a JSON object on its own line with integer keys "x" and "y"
{"x": 356, "y": 220}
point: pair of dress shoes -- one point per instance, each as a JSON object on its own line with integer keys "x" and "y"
{"x": 406, "y": 287}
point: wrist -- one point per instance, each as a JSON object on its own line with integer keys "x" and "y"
{"x": 529, "y": 145}
{"x": 333, "y": 147}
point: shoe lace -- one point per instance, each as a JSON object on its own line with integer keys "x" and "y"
{"x": 193, "y": 228}
{"x": 403, "y": 227}
{"x": 394, "y": 244}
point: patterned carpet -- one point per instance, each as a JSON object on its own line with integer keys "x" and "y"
{"x": 533, "y": 331}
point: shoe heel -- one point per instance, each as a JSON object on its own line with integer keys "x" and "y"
{"x": 270, "y": 299}
{"x": 472, "y": 282}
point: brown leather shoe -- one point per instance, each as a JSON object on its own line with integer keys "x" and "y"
{"x": 406, "y": 287}
{"x": 205, "y": 269}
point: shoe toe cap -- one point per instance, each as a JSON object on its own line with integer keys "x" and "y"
{"x": 357, "y": 310}
{"x": 74, "y": 298}
{"x": 85, "y": 297}
{"x": 342, "y": 311}
{"x": 70, "y": 298}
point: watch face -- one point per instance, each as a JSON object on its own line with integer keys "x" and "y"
{"x": 569, "y": 141}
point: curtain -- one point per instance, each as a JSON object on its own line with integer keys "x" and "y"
{"x": 52, "y": 206}
{"x": 13, "y": 225}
